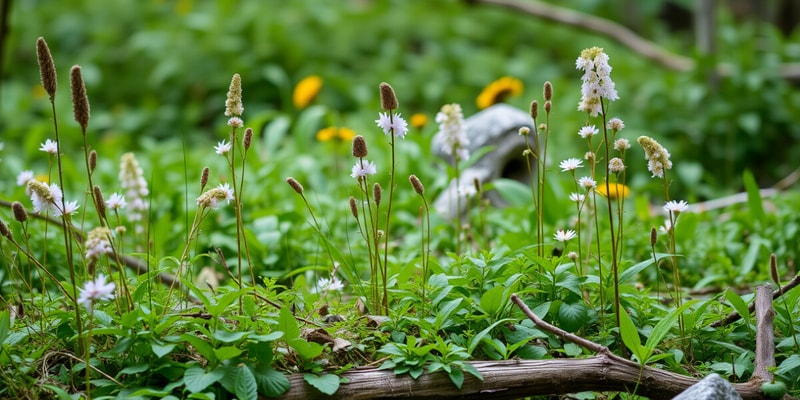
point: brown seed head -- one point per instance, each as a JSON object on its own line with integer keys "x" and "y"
{"x": 204, "y": 179}
{"x": 5, "y": 231}
{"x": 92, "y": 161}
{"x": 548, "y": 106}
{"x": 248, "y": 138}
{"x": 47, "y": 69}
{"x": 653, "y": 236}
{"x": 416, "y": 184}
{"x": 773, "y": 269}
{"x": 80, "y": 103}
{"x": 100, "y": 202}
{"x": 477, "y": 183}
{"x": 388, "y": 98}
{"x": 295, "y": 185}
{"x": 354, "y": 207}
{"x": 377, "y": 193}
{"x": 359, "y": 147}
{"x": 20, "y": 214}
{"x": 548, "y": 91}
{"x": 534, "y": 109}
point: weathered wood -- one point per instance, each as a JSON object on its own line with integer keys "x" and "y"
{"x": 765, "y": 336}
{"x": 514, "y": 379}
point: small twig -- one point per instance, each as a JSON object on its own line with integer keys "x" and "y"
{"x": 734, "y": 316}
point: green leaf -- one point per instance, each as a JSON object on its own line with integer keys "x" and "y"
{"x": 62, "y": 394}
{"x": 326, "y": 383}
{"x": 630, "y": 337}
{"x": 287, "y": 324}
{"x": 306, "y": 350}
{"x": 5, "y": 325}
{"x": 160, "y": 350}
{"x": 739, "y": 305}
{"x": 229, "y": 337}
{"x": 133, "y": 369}
{"x": 244, "y": 384}
{"x": 631, "y": 272}
{"x": 202, "y": 347}
{"x": 492, "y": 300}
{"x": 572, "y": 349}
{"x": 218, "y": 309}
{"x": 473, "y": 341}
{"x": 664, "y": 325}
{"x": 788, "y": 365}
{"x": 271, "y": 383}
{"x": 197, "y": 379}
{"x": 472, "y": 370}
{"x": 571, "y": 316}
{"x": 754, "y": 201}
{"x": 457, "y": 377}
{"x": 227, "y": 352}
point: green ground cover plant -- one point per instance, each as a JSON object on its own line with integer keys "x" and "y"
{"x": 214, "y": 268}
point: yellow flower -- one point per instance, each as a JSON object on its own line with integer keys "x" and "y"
{"x": 419, "y": 120}
{"x": 306, "y": 91}
{"x": 498, "y": 91}
{"x": 616, "y": 190}
{"x": 334, "y": 132}
{"x": 42, "y": 178}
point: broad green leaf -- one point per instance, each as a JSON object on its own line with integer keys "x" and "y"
{"x": 227, "y": 352}
{"x": 631, "y": 272}
{"x": 327, "y": 383}
{"x": 244, "y": 384}
{"x": 197, "y": 379}
{"x": 306, "y": 350}
{"x": 202, "y": 347}
{"x": 630, "y": 337}
{"x": 288, "y": 324}
{"x": 457, "y": 377}
{"x": 754, "y": 201}
{"x": 161, "y": 350}
{"x": 271, "y": 383}
{"x": 492, "y": 300}
{"x": 229, "y": 337}
{"x": 133, "y": 369}
{"x": 472, "y": 370}
{"x": 61, "y": 393}
{"x": 571, "y": 316}
{"x": 790, "y": 364}
{"x": 222, "y": 303}
{"x": 572, "y": 349}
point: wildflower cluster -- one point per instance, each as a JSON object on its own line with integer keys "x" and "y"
{"x": 452, "y": 136}
{"x": 597, "y": 83}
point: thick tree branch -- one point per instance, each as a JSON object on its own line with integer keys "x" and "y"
{"x": 765, "y": 336}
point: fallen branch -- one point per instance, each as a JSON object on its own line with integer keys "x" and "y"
{"x": 519, "y": 378}
{"x": 734, "y": 316}
{"x": 765, "y": 336}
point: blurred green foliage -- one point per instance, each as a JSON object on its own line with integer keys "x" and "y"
{"x": 159, "y": 68}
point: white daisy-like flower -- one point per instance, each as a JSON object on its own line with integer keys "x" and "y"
{"x": 577, "y": 197}
{"x": 362, "y": 168}
{"x": 676, "y": 206}
{"x": 564, "y": 235}
{"x": 116, "y": 201}
{"x": 622, "y": 144}
{"x": 223, "y": 147}
{"x": 49, "y": 146}
{"x": 587, "y": 183}
{"x": 23, "y": 177}
{"x": 70, "y": 208}
{"x": 570, "y": 164}
{"x": 44, "y": 197}
{"x": 667, "y": 227}
{"x": 392, "y": 124}
{"x": 588, "y": 131}
{"x": 96, "y": 290}
{"x": 330, "y": 285}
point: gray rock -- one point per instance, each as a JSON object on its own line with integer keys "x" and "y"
{"x": 496, "y": 126}
{"x": 712, "y": 387}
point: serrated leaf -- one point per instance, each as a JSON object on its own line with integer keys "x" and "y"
{"x": 326, "y": 383}
{"x": 197, "y": 379}
{"x": 271, "y": 383}
{"x": 244, "y": 384}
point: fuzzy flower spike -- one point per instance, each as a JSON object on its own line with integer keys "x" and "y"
{"x": 597, "y": 83}
{"x": 451, "y": 131}
{"x": 656, "y": 155}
